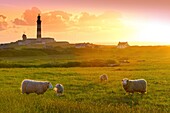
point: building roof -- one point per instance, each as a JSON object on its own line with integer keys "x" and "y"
{"x": 123, "y": 43}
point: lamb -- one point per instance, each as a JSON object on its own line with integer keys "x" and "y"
{"x": 131, "y": 86}
{"x": 103, "y": 77}
{"x": 33, "y": 86}
{"x": 59, "y": 89}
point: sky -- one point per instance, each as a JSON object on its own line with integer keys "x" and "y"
{"x": 140, "y": 22}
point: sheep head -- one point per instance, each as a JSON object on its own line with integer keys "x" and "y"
{"x": 125, "y": 81}
{"x": 50, "y": 86}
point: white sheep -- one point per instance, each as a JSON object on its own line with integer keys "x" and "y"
{"x": 103, "y": 77}
{"x": 59, "y": 89}
{"x": 131, "y": 86}
{"x": 33, "y": 86}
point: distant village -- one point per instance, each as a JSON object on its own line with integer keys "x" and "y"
{"x": 47, "y": 42}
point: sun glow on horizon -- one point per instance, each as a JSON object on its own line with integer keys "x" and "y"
{"x": 102, "y": 27}
{"x": 150, "y": 31}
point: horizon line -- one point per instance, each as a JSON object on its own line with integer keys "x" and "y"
{"x": 131, "y": 43}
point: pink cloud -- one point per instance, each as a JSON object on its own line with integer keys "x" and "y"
{"x": 18, "y": 21}
{"x": 3, "y": 23}
{"x": 56, "y": 17}
{"x": 56, "y": 20}
{"x": 60, "y": 21}
{"x": 29, "y": 17}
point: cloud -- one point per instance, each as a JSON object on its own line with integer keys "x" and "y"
{"x": 3, "y": 17}
{"x": 51, "y": 21}
{"x": 28, "y": 17}
{"x": 104, "y": 22}
{"x": 60, "y": 21}
{"x": 55, "y": 15}
{"x": 87, "y": 17}
{"x": 3, "y": 23}
{"x": 18, "y": 21}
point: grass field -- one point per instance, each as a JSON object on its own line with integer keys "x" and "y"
{"x": 84, "y": 93}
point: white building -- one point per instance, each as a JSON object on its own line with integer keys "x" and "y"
{"x": 122, "y": 45}
{"x": 38, "y": 40}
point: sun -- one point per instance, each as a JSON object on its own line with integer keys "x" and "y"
{"x": 154, "y": 32}
{"x": 150, "y": 31}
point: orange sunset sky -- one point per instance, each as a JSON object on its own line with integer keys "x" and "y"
{"x": 142, "y": 22}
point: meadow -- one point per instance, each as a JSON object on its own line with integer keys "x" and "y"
{"x": 84, "y": 93}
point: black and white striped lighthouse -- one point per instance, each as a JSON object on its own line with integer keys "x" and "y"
{"x": 38, "y": 27}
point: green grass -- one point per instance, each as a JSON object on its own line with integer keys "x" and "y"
{"x": 84, "y": 93}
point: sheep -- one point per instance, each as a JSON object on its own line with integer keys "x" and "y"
{"x": 103, "y": 77}
{"x": 59, "y": 89}
{"x": 32, "y": 86}
{"x": 131, "y": 86}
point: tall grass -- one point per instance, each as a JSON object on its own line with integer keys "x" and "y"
{"x": 84, "y": 93}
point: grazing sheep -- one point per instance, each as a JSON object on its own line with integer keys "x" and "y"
{"x": 59, "y": 89}
{"x": 132, "y": 86}
{"x": 103, "y": 78}
{"x": 33, "y": 86}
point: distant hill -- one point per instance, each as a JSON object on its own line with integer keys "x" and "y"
{"x": 102, "y": 56}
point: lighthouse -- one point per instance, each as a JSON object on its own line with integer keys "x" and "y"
{"x": 39, "y": 27}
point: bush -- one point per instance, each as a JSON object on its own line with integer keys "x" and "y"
{"x": 92, "y": 63}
